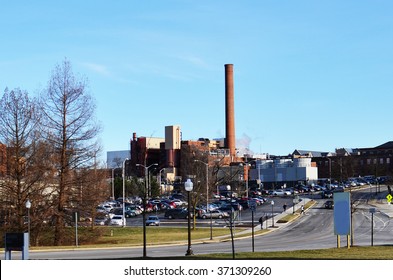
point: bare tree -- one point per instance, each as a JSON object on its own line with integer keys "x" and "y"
{"x": 193, "y": 169}
{"x": 70, "y": 128}
{"x": 18, "y": 124}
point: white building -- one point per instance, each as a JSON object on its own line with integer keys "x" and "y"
{"x": 282, "y": 171}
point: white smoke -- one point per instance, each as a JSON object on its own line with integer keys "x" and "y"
{"x": 243, "y": 145}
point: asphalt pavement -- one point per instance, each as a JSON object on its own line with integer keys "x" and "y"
{"x": 267, "y": 224}
{"x": 380, "y": 205}
{"x": 384, "y": 207}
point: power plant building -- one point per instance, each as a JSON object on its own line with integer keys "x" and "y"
{"x": 277, "y": 172}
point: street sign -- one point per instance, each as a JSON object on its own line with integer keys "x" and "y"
{"x": 389, "y": 198}
{"x": 252, "y": 204}
{"x": 372, "y": 210}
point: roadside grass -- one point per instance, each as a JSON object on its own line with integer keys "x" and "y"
{"x": 105, "y": 236}
{"x": 354, "y": 253}
{"x": 157, "y": 235}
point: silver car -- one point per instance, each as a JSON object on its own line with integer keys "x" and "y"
{"x": 153, "y": 221}
{"x": 215, "y": 214}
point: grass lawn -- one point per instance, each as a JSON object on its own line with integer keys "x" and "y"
{"x": 156, "y": 235}
{"x": 354, "y": 253}
{"x": 104, "y": 236}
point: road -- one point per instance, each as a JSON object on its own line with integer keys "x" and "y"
{"x": 313, "y": 230}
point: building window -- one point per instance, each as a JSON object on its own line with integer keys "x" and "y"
{"x": 381, "y": 160}
{"x": 387, "y": 160}
{"x": 375, "y": 161}
{"x": 368, "y": 161}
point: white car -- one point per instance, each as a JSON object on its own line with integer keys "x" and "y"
{"x": 287, "y": 192}
{"x": 278, "y": 192}
{"x": 117, "y": 220}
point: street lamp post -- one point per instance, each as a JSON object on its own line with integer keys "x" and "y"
{"x": 259, "y": 173}
{"x": 124, "y": 188}
{"x": 330, "y": 172}
{"x": 28, "y": 206}
{"x": 162, "y": 169}
{"x": 247, "y": 165}
{"x": 144, "y": 205}
{"x": 272, "y": 203}
{"x": 188, "y": 185}
{"x": 231, "y": 222}
{"x": 207, "y": 196}
{"x": 113, "y": 183}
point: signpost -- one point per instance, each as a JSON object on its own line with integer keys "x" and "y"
{"x": 342, "y": 215}
{"x": 76, "y": 219}
{"x": 389, "y": 197}
{"x": 18, "y": 241}
{"x": 252, "y": 205}
{"x": 295, "y": 201}
{"x": 372, "y": 211}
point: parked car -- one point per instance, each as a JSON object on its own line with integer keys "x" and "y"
{"x": 130, "y": 213}
{"x": 107, "y": 207}
{"x": 100, "y": 209}
{"x": 153, "y": 221}
{"x": 287, "y": 192}
{"x": 116, "y": 212}
{"x": 338, "y": 189}
{"x": 215, "y": 214}
{"x": 101, "y": 219}
{"x": 116, "y": 220}
{"x": 176, "y": 213}
{"x": 327, "y": 194}
{"x": 231, "y": 207}
{"x": 278, "y": 193}
{"x": 243, "y": 203}
{"x": 329, "y": 204}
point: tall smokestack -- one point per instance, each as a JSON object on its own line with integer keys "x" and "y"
{"x": 229, "y": 111}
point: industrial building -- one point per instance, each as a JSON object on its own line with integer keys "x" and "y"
{"x": 302, "y": 166}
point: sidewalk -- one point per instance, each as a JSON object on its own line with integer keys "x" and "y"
{"x": 257, "y": 228}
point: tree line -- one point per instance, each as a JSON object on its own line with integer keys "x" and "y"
{"x": 50, "y": 146}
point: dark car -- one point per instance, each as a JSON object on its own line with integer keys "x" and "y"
{"x": 130, "y": 213}
{"x": 327, "y": 194}
{"x": 101, "y": 219}
{"x": 231, "y": 207}
{"x": 329, "y": 204}
{"x": 176, "y": 213}
{"x": 244, "y": 204}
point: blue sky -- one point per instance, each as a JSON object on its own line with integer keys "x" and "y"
{"x": 313, "y": 75}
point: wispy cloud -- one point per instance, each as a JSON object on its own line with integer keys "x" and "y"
{"x": 194, "y": 60}
{"x": 97, "y": 68}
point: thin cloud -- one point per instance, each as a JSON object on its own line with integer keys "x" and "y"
{"x": 97, "y": 68}
{"x": 194, "y": 60}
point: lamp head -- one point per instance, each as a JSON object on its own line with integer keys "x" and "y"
{"x": 188, "y": 185}
{"x": 28, "y": 204}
